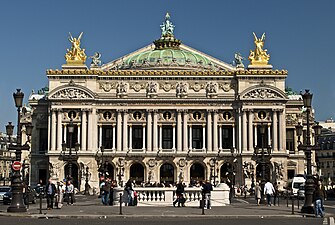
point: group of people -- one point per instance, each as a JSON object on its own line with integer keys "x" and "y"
{"x": 106, "y": 190}
{"x": 206, "y": 189}
{"x": 269, "y": 190}
{"x": 56, "y": 193}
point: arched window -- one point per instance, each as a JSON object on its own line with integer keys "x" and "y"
{"x": 197, "y": 173}
{"x": 167, "y": 174}
{"x": 137, "y": 173}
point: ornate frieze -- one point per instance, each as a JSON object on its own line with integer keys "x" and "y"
{"x": 71, "y": 93}
{"x": 262, "y": 93}
{"x": 152, "y": 89}
{"x": 212, "y": 89}
{"x": 106, "y": 86}
{"x": 182, "y": 89}
{"x": 122, "y": 89}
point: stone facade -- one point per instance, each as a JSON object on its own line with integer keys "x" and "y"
{"x": 164, "y": 121}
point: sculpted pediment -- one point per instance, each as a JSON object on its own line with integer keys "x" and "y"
{"x": 71, "y": 93}
{"x": 262, "y": 92}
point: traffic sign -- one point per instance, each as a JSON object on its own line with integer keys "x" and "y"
{"x": 16, "y": 165}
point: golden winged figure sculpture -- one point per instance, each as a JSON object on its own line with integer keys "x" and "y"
{"x": 75, "y": 55}
{"x": 259, "y": 57}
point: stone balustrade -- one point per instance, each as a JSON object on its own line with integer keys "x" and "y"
{"x": 151, "y": 196}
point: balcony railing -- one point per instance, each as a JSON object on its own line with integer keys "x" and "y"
{"x": 151, "y": 196}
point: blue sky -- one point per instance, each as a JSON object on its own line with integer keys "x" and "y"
{"x": 300, "y": 37}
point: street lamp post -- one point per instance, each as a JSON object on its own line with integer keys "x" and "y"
{"x": 307, "y": 147}
{"x": 17, "y": 204}
{"x": 70, "y": 158}
{"x": 87, "y": 186}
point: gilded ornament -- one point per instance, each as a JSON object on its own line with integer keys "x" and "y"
{"x": 259, "y": 57}
{"x": 75, "y": 55}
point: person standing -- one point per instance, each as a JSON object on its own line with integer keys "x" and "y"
{"x": 207, "y": 187}
{"x": 130, "y": 192}
{"x": 50, "y": 191}
{"x": 106, "y": 191}
{"x": 59, "y": 193}
{"x": 319, "y": 196}
{"x": 69, "y": 191}
{"x": 258, "y": 193}
{"x": 269, "y": 191}
{"x": 179, "y": 193}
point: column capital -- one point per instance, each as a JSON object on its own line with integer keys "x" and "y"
{"x": 182, "y": 110}
{"x": 210, "y": 110}
{"x": 173, "y": 125}
{"x": 85, "y": 109}
{"x": 130, "y": 124}
{"x": 143, "y": 124}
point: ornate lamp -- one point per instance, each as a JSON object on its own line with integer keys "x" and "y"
{"x": 18, "y": 98}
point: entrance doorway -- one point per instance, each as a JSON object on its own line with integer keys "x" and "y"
{"x": 259, "y": 172}
{"x": 197, "y": 173}
{"x": 137, "y": 173}
{"x": 167, "y": 174}
{"x": 74, "y": 173}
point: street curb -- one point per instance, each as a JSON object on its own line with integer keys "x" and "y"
{"x": 49, "y": 216}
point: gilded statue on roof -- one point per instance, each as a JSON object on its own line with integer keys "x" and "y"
{"x": 259, "y": 56}
{"x": 75, "y": 55}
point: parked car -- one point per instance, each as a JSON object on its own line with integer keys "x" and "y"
{"x": 7, "y": 197}
{"x": 3, "y": 190}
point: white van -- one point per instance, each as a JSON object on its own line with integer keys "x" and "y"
{"x": 296, "y": 182}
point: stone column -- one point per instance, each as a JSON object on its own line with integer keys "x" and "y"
{"x": 160, "y": 137}
{"x": 155, "y": 132}
{"x": 203, "y": 136}
{"x": 53, "y": 130}
{"x": 250, "y": 126}
{"x": 190, "y": 136}
{"x": 84, "y": 130}
{"x": 100, "y": 136}
{"x": 269, "y": 134}
{"x": 255, "y": 132}
{"x": 274, "y": 131}
{"x": 130, "y": 147}
{"x": 59, "y": 130}
{"x": 79, "y": 136}
{"x": 125, "y": 131}
{"x": 244, "y": 132}
{"x": 220, "y": 137}
{"x": 149, "y": 130}
{"x": 64, "y": 129}
{"x": 95, "y": 130}
{"x": 119, "y": 130}
{"x": 90, "y": 129}
{"x": 185, "y": 134}
{"x": 215, "y": 131}
{"x": 209, "y": 131}
{"x": 282, "y": 130}
{"x": 239, "y": 140}
{"x": 143, "y": 144}
{"x": 179, "y": 132}
{"x": 173, "y": 136}
{"x": 113, "y": 137}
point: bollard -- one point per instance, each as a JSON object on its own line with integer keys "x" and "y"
{"x": 120, "y": 204}
{"x": 298, "y": 200}
{"x": 286, "y": 198}
{"x": 293, "y": 205}
{"x": 40, "y": 202}
{"x": 278, "y": 197}
{"x": 203, "y": 204}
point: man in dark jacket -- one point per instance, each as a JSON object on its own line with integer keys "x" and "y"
{"x": 179, "y": 194}
{"x": 207, "y": 187}
{"x": 50, "y": 189}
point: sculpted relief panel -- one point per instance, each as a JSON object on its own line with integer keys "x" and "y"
{"x": 262, "y": 93}
{"x": 71, "y": 93}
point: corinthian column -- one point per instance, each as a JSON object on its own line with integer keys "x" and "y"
{"x": 215, "y": 131}
{"x": 245, "y": 135}
{"x": 282, "y": 130}
{"x": 185, "y": 136}
{"x": 250, "y": 126}
{"x": 209, "y": 131}
{"x": 119, "y": 130}
{"x": 149, "y": 130}
{"x": 179, "y": 132}
{"x": 59, "y": 130}
{"x": 125, "y": 131}
{"x": 274, "y": 131}
{"x": 53, "y": 130}
{"x": 84, "y": 130}
{"x": 155, "y": 133}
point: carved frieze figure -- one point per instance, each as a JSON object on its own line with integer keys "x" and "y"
{"x": 211, "y": 88}
{"x": 279, "y": 170}
{"x": 152, "y": 88}
{"x": 238, "y": 61}
{"x": 259, "y": 56}
{"x": 182, "y": 89}
{"x": 70, "y": 93}
{"x": 75, "y": 55}
{"x": 262, "y": 93}
{"x": 122, "y": 88}
{"x": 96, "y": 59}
{"x": 246, "y": 169}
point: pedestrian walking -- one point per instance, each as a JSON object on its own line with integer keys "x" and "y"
{"x": 69, "y": 191}
{"x": 50, "y": 191}
{"x": 319, "y": 196}
{"x": 106, "y": 187}
{"x": 180, "y": 195}
{"x": 269, "y": 191}
{"x": 207, "y": 187}
{"x": 258, "y": 193}
{"x": 129, "y": 192}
